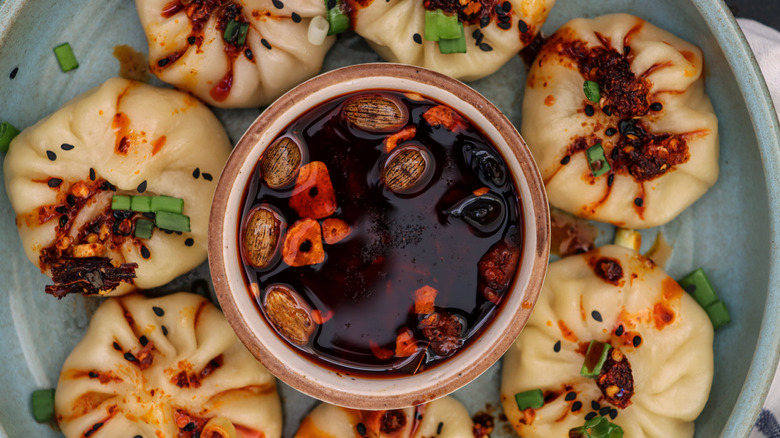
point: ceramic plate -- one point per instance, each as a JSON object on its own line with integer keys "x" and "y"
{"x": 731, "y": 231}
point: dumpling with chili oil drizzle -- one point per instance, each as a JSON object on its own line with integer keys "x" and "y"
{"x": 493, "y": 30}
{"x": 658, "y": 369}
{"x": 445, "y": 418}
{"x": 616, "y": 116}
{"x": 121, "y": 138}
{"x": 168, "y": 366}
{"x": 233, "y": 54}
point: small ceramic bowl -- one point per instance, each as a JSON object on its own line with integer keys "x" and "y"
{"x": 387, "y": 392}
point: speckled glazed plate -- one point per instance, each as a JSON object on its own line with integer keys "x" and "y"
{"x": 732, "y": 230}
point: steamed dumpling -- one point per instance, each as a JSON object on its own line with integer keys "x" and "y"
{"x": 396, "y": 30}
{"x": 444, "y": 418}
{"x": 163, "y": 367}
{"x": 616, "y": 296}
{"x": 122, "y": 137}
{"x": 187, "y": 47}
{"x": 653, "y": 120}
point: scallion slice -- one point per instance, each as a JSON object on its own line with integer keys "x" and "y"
{"x": 143, "y": 229}
{"x": 719, "y": 314}
{"x": 594, "y": 359}
{"x": 43, "y": 405}
{"x": 592, "y": 91}
{"x": 597, "y": 427}
{"x": 7, "y": 133}
{"x": 447, "y": 46}
{"x": 120, "y": 202}
{"x": 65, "y": 57}
{"x": 338, "y": 21}
{"x": 172, "y": 221}
{"x": 698, "y": 285}
{"x": 628, "y": 238}
{"x": 236, "y": 32}
{"x": 167, "y": 203}
{"x": 597, "y": 160}
{"x": 141, "y": 204}
{"x": 439, "y": 26}
{"x": 529, "y": 399}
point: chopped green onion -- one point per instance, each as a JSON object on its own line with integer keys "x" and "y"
{"x": 236, "y": 32}
{"x": 65, "y": 57}
{"x": 120, "y": 202}
{"x": 594, "y": 359}
{"x": 338, "y": 21}
{"x": 628, "y": 238}
{"x": 7, "y": 133}
{"x": 143, "y": 229}
{"x": 529, "y": 399}
{"x": 597, "y": 160}
{"x": 597, "y": 427}
{"x": 440, "y": 26}
{"x": 141, "y": 204}
{"x": 447, "y": 46}
{"x": 172, "y": 221}
{"x": 719, "y": 314}
{"x": 167, "y": 203}
{"x": 698, "y": 285}
{"x": 43, "y": 405}
{"x": 592, "y": 91}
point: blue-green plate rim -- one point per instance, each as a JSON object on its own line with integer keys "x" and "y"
{"x": 755, "y": 92}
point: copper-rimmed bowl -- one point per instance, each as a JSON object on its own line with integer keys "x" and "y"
{"x": 327, "y": 384}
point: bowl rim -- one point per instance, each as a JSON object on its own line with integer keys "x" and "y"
{"x": 536, "y": 257}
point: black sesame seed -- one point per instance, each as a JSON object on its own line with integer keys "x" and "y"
{"x": 278, "y": 4}
{"x": 14, "y": 72}
{"x": 439, "y": 428}
{"x": 189, "y": 427}
{"x": 249, "y": 55}
{"x": 196, "y": 173}
{"x": 97, "y": 426}
{"x": 637, "y": 340}
{"x": 504, "y": 25}
{"x": 295, "y": 17}
{"x": 141, "y": 187}
{"x": 70, "y": 199}
{"x": 192, "y": 40}
{"x": 127, "y": 214}
{"x": 639, "y": 202}
{"x": 88, "y": 433}
{"x": 158, "y": 311}
{"x": 207, "y": 176}
{"x": 93, "y": 374}
{"x": 522, "y": 26}
{"x": 576, "y": 406}
{"x": 54, "y": 182}
{"x": 610, "y": 132}
{"x": 61, "y": 209}
{"x": 507, "y": 6}
{"x": 138, "y": 436}
{"x": 504, "y": 18}
{"x": 484, "y": 21}
{"x": 63, "y": 221}
{"x": 331, "y": 4}
{"x": 595, "y": 405}
{"x": 657, "y": 106}
{"x": 165, "y": 330}
{"x": 500, "y": 10}
{"x": 143, "y": 340}
{"x": 485, "y": 47}
{"x": 145, "y": 252}
{"x": 615, "y": 153}
{"x": 163, "y": 62}
{"x": 590, "y": 416}
{"x": 610, "y": 179}
{"x": 149, "y": 215}
{"x": 67, "y": 147}
{"x": 565, "y": 160}
{"x": 52, "y": 156}
{"x": 419, "y": 416}
{"x": 627, "y": 50}
{"x": 619, "y": 331}
{"x": 417, "y": 38}
{"x": 613, "y": 413}
{"x": 607, "y": 110}
{"x": 596, "y": 315}
{"x": 265, "y": 43}
{"x": 189, "y": 242}
{"x": 557, "y": 346}
{"x": 214, "y": 364}
{"x": 361, "y": 429}
{"x": 604, "y": 411}
{"x": 92, "y": 175}
{"x": 129, "y": 357}
{"x": 571, "y": 396}
{"x": 589, "y": 111}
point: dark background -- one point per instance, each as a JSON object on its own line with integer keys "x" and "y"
{"x": 765, "y": 11}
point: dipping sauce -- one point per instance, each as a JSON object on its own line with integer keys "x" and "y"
{"x": 381, "y": 232}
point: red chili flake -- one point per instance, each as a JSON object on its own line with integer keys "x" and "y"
{"x": 405, "y": 343}
{"x": 608, "y": 269}
{"x": 497, "y": 269}
{"x": 405, "y": 134}
{"x": 335, "y": 230}
{"x": 443, "y": 330}
{"x": 441, "y": 115}
{"x": 424, "y": 298}
{"x": 320, "y": 317}
{"x": 379, "y": 352}
{"x": 313, "y": 196}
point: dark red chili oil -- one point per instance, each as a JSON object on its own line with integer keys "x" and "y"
{"x": 398, "y": 243}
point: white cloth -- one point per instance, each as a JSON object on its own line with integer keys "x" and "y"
{"x": 765, "y": 43}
